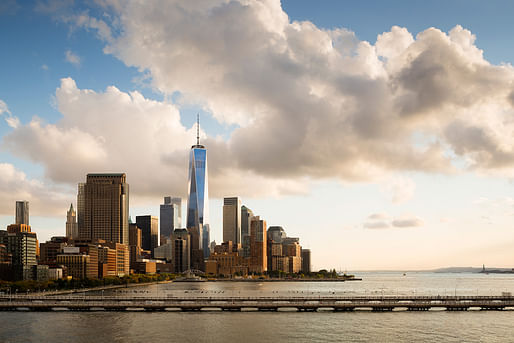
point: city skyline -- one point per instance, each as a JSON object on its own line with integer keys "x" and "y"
{"x": 388, "y": 132}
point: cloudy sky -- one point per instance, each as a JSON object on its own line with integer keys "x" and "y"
{"x": 380, "y": 133}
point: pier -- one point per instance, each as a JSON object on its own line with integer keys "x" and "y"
{"x": 261, "y": 303}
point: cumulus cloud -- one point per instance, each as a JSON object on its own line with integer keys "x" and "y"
{"x": 72, "y": 58}
{"x": 407, "y": 222}
{"x": 384, "y": 221}
{"x": 309, "y": 103}
{"x": 329, "y": 105}
{"x": 45, "y": 199}
{"x": 11, "y": 120}
{"x": 114, "y": 131}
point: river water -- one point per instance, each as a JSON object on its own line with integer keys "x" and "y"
{"x": 359, "y": 326}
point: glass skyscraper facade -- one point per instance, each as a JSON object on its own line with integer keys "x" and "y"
{"x": 170, "y": 217}
{"x": 198, "y": 195}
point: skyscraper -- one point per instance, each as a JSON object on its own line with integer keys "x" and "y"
{"x": 306, "y": 260}
{"x": 135, "y": 244}
{"x": 246, "y": 218}
{"x": 170, "y": 216}
{"x": 232, "y": 220}
{"x": 258, "y": 245}
{"x": 22, "y": 246}
{"x": 105, "y": 199}
{"x": 206, "y": 236}
{"x": 22, "y": 212}
{"x": 81, "y": 204}
{"x": 149, "y": 226}
{"x": 198, "y": 194}
{"x": 181, "y": 250}
{"x": 72, "y": 229}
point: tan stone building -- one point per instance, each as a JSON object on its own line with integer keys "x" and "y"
{"x": 106, "y": 262}
{"x": 226, "y": 264}
{"x": 122, "y": 258}
{"x": 280, "y": 263}
{"x": 76, "y": 265}
{"x": 104, "y": 200}
{"x": 232, "y": 220}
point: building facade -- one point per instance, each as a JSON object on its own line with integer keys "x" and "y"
{"x": 22, "y": 212}
{"x": 21, "y": 246}
{"x": 198, "y": 195}
{"x": 258, "y": 246}
{"x": 76, "y": 265}
{"x": 246, "y": 218}
{"x": 135, "y": 244}
{"x": 149, "y": 226}
{"x": 105, "y": 199}
{"x": 181, "y": 250}
{"x": 49, "y": 250}
{"x": 72, "y": 227}
{"x": 306, "y": 260}
{"x": 164, "y": 252}
{"x": 232, "y": 220}
{"x": 170, "y": 216}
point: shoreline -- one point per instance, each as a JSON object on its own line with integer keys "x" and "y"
{"x": 273, "y": 280}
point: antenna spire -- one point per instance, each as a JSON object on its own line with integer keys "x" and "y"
{"x": 198, "y": 129}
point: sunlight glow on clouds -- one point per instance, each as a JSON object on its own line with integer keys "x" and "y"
{"x": 310, "y": 103}
{"x": 44, "y": 199}
{"x": 384, "y": 221}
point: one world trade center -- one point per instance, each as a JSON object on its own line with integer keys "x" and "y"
{"x": 198, "y": 196}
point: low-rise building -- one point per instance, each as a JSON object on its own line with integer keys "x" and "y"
{"x": 76, "y": 265}
{"x": 226, "y": 264}
{"x": 49, "y": 250}
{"x": 164, "y": 252}
{"x": 55, "y": 273}
{"x": 145, "y": 267}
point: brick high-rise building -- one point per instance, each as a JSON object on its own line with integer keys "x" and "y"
{"x": 105, "y": 202}
{"x": 135, "y": 244}
{"x": 258, "y": 256}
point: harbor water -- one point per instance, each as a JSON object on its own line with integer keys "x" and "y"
{"x": 217, "y": 326}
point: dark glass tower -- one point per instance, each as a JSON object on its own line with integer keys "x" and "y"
{"x": 198, "y": 194}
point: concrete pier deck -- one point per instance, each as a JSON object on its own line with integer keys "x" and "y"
{"x": 303, "y": 304}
